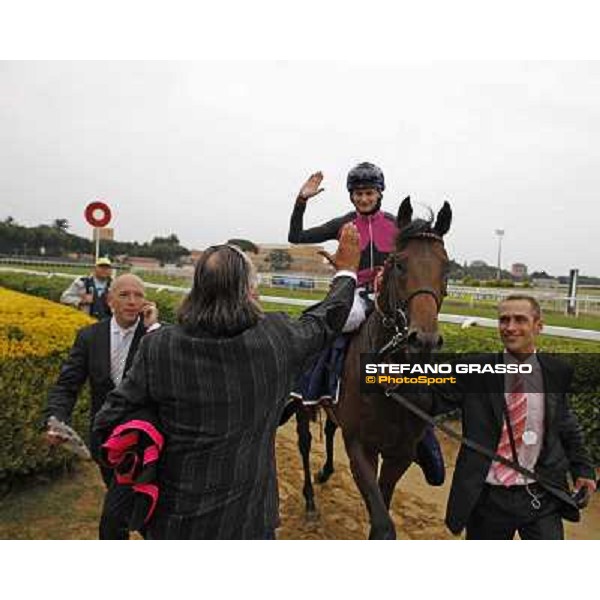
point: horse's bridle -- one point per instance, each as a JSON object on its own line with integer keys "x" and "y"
{"x": 398, "y": 320}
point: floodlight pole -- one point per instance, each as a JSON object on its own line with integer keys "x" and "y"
{"x": 499, "y": 233}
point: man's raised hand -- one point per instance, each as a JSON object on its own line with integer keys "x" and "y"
{"x": 347, "y": 257}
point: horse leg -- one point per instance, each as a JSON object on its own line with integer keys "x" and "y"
{"x": 292, "y": 406}
{"x": 327, "y": 470}
{"x": 391, "y": 472}
{"x": 363, "y": 465}
{"x": 304, "y": 443}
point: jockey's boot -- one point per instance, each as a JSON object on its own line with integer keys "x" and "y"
{"x": 430, "y": 458}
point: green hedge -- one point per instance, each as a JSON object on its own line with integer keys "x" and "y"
{"x": 45, "y": 287}
{"x": 167, "y": 304}
{"x": 586, "y": 388}
{"x": 24, "y": 385}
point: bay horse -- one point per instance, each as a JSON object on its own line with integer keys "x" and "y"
{"x": 413, "y": 286}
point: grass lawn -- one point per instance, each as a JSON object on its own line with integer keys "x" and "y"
{"x": 488, "y": 309}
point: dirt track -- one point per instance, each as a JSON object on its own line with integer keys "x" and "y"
{"x": 68, "y": 507}
{"x": 417, "y": 509}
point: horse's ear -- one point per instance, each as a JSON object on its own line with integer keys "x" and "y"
{"x": 404, "y": 213}
{"x": 444, "y": 219}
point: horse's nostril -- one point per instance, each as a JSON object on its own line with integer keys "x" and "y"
{"x": 413, "y": 338}
{"x": 422, "y": 341}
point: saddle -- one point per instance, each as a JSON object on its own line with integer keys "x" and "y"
{"x": 320, "y": 383}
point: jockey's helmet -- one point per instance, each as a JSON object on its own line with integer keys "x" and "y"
{"x": 365, "y": 175}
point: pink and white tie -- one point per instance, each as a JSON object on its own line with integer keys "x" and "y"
{"x": 517, "y": 413}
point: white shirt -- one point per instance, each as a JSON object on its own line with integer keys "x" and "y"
{"x": 528, "y": 454}
{"x": 120, "y": 343}
{"x": 345, "y": 273}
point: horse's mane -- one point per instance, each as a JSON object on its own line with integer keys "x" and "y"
{"x": 414, "y": 229}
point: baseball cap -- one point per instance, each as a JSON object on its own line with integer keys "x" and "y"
{"x": 103, "y": 262}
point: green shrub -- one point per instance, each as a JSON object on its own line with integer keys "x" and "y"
{"x": 586, "y": 385}
{"x": 35, "y": 337}
{"x": 24, "y": 385}
{"x": 45, "y": 287}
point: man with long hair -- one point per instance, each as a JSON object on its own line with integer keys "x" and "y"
{"x": 218, "y": 382}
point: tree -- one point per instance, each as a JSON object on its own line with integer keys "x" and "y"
{"x": 57, "y": 241}
{"x": 280, "y": 260}
{"x": 540, "y": 275}
{"x": 245, "y": 245}
{"x": 171, "y": 240}
{"x": 60, "y": 225}
{"x": 166, "y": 249}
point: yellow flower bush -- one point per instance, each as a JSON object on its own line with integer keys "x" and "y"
{"x": 32, "y": 326}
{"x": 35, "y": 337}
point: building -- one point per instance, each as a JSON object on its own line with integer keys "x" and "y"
{"x": 286, "y": 257}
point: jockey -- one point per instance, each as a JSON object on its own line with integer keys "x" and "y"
{"x": 377, "y": 230}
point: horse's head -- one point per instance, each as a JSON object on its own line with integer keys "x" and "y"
{"x": 415, "y": 274}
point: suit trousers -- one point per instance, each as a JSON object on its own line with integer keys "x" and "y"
{"x": 503, "y": 511}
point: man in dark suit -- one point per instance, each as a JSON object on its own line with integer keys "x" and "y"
{"x": 491, "y": 500}
{"x": 102, "y": 354}
{"x": 218, "y": 382}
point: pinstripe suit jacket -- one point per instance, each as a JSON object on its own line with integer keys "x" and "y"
{"x": 218, "y": 402}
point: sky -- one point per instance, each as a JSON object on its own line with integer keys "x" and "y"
{"x": 218, "y": 150}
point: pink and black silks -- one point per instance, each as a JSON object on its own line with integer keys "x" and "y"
{"x": 132, "y": 450}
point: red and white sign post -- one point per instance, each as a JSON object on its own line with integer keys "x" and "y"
{"x": 98, "y": 215}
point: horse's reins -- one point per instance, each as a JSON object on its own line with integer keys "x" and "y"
{"x": 398, "y": 321}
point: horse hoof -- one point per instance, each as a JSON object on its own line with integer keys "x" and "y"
{"x": 312, "y": 514}
{"x": 323, "y": 475}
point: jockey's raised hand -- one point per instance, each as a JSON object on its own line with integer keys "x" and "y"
{"x": 347, "y": 256}
{"x": 311, "y": 187}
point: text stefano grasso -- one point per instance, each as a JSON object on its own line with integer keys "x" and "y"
{"x": 445, "y": 368}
